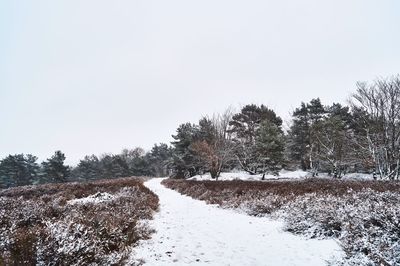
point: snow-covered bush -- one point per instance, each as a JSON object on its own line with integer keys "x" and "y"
{"x": 366, "y": 222}
{"x": 74, "y": 224}
{"x": 363, "y": 215}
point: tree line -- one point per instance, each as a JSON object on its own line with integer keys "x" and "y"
{"x": 21, "y": 169}
{"x": 362, "y": 136}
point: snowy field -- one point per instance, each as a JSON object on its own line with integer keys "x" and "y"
{"x": 189, "y": 231}
{"x": 283, "y": 174}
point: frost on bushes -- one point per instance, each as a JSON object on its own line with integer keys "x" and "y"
{"x": 363, "y": 215}
{"x": 365, "y": 222}
{"x": 96, "y": 198}
{"x": 257, "y": 204}
{"x": 74, "y": 224}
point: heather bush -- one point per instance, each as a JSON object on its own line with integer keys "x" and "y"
{"x": 363, "y": 215}
{"x": 74, "y": 224}
{"x": 366, "y": 222}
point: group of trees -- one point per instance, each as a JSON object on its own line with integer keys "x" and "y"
{"x": 362, "y": 136}
{"x": 202, "y": 147}
{"x": 135, "y": 162}
{"x": 322, "y": 138}
{"x": 252, "y": 139}
{"x": 21, "y": 169}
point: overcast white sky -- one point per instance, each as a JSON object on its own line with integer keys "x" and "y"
{"x": 88, "y": 77}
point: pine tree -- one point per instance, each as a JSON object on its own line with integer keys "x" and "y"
{"x": 303, "y": 144}
{"x": 244, "y": 127}
{"x": 299, "y": 137}
{"x": 18, "y": 170}
{"x": 207, "y": 131}
{"x": 113, "y": 166}
{"x": 316, "y": 110}
{"x": 54, "y": 169}
{"x": 184, "y": 160}
{"x": 89, "y": 168}
{"x": 270, "y": 146}
{"x": 246, "y": 123}
{"x": 160, "y": 159}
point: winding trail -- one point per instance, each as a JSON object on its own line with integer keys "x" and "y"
{"x": 189, "y": 231}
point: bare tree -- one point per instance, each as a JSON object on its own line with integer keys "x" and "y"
{"x": 217, "y": 151}
{"x": 380, "y": 125}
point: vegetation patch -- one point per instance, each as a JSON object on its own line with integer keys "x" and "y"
{"x": 95, "y": 223}
{"x": 363, "y": 215}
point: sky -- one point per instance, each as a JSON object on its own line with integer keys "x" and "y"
{"x": 93, "y": 76}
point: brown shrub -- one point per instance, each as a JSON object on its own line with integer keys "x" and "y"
{"x": 363, "y": 215}
{"x": 40, "y": 224}
{"x": 234, "y": 193}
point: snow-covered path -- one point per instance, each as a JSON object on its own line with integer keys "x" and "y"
{"x": 189, "y": 231}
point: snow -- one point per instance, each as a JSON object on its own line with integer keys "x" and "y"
{"x": 283, "y": 174}
{"x": 293, "y": 174}
{"x": 190, "y": 231}
{"x": 95, "y": 198}
{"x": 359, "y": 176}
{"x": 349, "y": 176}
{"x": 246, "y": 176}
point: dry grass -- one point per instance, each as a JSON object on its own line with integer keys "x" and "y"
{"x": 41, "y": 225}
{"x": 234, "y": 193}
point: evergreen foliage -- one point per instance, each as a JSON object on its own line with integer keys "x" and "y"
{"x": 54, "y": 170}
{"x": 18, "y": 170}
